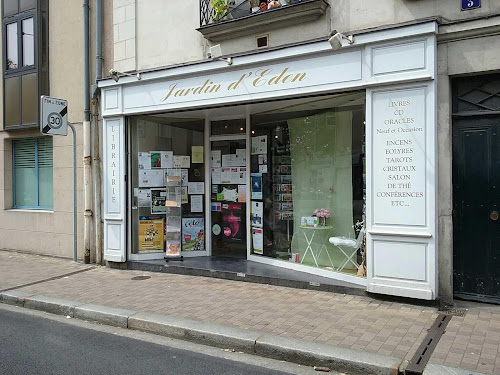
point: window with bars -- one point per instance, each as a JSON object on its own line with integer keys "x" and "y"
{"x": 25, "y": 73}
{"x": 32, "y": 173}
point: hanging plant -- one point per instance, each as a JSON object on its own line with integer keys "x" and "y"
{"x": 220, "y": 9}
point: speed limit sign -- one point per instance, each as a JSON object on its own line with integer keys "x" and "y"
{"x": 54, "y": 116}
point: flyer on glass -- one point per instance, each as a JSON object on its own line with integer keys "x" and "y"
{"x": 144, "y": 160}
{"x": 158, "y": 198}
{"x": 193, "y": 234}
{"x": 258, "y": 240}
{"x": 151, "y": 233}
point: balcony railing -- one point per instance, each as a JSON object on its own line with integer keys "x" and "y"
{"x": 228, "y": 19}
{"x": 217, "y": 11}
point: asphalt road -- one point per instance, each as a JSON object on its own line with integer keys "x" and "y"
{"x": 31, "y": 343}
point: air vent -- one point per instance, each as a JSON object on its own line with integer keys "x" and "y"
{"x": 263, "y": 41}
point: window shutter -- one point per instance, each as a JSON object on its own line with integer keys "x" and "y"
{"x": 45, "y": 152}
{"x": 25, "y": 194}
{"x": 45, "y": 175}
{"x": 24, "y": 153}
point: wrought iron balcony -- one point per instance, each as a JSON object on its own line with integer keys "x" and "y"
{"x": 225, "y": 19}
{"x": 215, "y": 11}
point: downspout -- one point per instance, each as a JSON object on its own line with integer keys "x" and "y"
{"x": 87, "y": 158}
{"x": 96, "y": 170}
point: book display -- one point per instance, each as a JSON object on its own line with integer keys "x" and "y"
{"x": 282, "y": 194}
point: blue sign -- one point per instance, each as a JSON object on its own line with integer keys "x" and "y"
{"x": 471, "y": 4}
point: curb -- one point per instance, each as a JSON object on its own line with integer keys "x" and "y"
{"x": 292, "y": 350}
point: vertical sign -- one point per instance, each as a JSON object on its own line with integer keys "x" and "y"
{"x": 471, "y": 4}
{"x": 399, "y": 157}
{"x": 113, "y": 130}
{"x": 114, "y": 190}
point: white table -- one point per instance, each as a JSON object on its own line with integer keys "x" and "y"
{"x": 309, "y": 233}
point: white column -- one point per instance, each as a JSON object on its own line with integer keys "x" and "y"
{"x": 401, "y": 191}
{"x": 114, "y": 163}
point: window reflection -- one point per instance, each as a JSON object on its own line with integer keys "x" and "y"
{"x": 28, "y": 42}
{"x": 12, "y": 58}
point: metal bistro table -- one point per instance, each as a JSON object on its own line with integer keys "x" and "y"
{"x": 309, "y": 233}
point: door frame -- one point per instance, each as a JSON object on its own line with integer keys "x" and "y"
{"x": 208, "y": 178}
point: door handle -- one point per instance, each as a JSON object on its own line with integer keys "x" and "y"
{"x": 494, "y": 215}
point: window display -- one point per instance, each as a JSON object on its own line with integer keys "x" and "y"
{"x": 167, "y": 173}
{"x": 308, "y": 183}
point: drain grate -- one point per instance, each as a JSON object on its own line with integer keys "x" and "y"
{"x": 140, "y": 277}
{"x": 419, "y": 361}
{"x": 455, "y": 312}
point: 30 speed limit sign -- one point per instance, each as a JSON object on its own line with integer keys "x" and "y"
{"x": 54, "y": 116}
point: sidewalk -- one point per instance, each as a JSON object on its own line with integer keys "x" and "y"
{"x": 355, "y": 322}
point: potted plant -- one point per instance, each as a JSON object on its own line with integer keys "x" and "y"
{"x": 220, "y": 9}
{"x": 322, "y": 214}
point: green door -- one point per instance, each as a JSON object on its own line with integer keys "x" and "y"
{"x": 476, "y": 204}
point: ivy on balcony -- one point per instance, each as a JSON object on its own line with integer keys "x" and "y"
{"x": 225, "y": 19}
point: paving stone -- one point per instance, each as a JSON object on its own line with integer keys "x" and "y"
{"x": 383, "y": 327}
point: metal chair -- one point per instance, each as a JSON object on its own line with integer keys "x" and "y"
{"x": 348, "y": 247}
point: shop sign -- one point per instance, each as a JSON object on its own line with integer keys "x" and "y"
{"x": 399, "y": 157}
{"x": 113, "y": 130}
{"x": 471, "y": 4}
{"x": 280, "y": 77}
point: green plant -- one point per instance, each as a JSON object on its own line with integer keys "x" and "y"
{"x": 220, "y": 8}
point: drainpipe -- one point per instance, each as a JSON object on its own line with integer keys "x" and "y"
{"x": 96, "y": 170}
{"x": 87, "y": 158}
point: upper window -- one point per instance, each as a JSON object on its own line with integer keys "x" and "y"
{"x": 25, "y": 76}
{"x": 32, "y": 173}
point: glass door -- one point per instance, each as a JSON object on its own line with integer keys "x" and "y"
{"x": 228, "y": 190}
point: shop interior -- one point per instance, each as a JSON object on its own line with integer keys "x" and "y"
{"x": 285, "y": 182}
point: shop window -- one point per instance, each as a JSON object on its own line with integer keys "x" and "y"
{"x": 25, "y": 74}
{"x": 308, "y": 183}
{"x": 168, "y": 184}
{"x": 33, "y": 173}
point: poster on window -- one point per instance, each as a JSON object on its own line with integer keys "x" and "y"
{"x": 259, "y": 145}
{"x": 144, "y": 160}
{"x": 151, "y": 233}
{"x": 257, "y": 214}
{"x": 233, "y": 223}
{"x": 193, "y": 234}
{"x": 173, "y": 248}
{"x": 256, "y": 181}
{"x": 158, "y": 198}
{"x": 258, "y": 240}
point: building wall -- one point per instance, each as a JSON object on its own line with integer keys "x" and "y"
{"x": 151, "y": 34}
{"x": 51, "y": 232}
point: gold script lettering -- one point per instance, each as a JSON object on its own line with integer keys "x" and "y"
{"x": 171, "y": 88}
{"x": 260, "y": 80}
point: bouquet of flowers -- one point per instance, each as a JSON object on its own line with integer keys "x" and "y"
{"x": 322, "y": 214}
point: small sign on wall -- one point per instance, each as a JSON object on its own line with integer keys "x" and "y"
{"x": 471, "y": 4}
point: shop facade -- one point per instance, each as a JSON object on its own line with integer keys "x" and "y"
{"x": 301, "y": 157}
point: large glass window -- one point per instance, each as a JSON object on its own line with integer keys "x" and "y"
{"x": 33, "y": 174}
{"x": 308, "y": 183}
{"x": 168, "y": 185}
{"x": 25, "y": 73}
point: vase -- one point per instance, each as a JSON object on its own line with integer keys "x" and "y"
{"x": 322, "y": 221}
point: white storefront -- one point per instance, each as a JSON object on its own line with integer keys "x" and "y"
{"x": 395, "y": 68}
